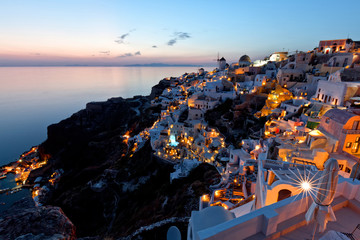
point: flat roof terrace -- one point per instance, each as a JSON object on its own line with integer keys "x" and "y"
{"x": 286, "y": 219}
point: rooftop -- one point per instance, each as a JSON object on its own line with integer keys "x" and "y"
{"x": 339, "y": 115}
{"x": 286, "y": 219}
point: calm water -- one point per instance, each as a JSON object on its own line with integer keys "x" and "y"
{"x": 31, "y": 98}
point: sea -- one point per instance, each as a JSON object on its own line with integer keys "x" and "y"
{"x": 31, "y": 98}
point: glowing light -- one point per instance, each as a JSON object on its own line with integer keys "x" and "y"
{"x": 173, "y": 141}
{"x": 315, "y": 133}
{"x": 217, "y": 193}
{"x": 306, "y": 186}
{"x": 205, "y": 198}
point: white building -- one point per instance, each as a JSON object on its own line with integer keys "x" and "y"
{"x": 260, "y": 80}
{"x": 222, "y": 63}
{"x": 335, "y": 92}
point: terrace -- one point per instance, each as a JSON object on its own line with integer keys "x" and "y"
{"x": 277, "y": 222}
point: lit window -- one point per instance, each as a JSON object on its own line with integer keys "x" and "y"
{"x": 348, "y": 145}
{"x": 355, "y": 147}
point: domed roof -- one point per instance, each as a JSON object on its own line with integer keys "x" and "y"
{"x": 245, "y": 58}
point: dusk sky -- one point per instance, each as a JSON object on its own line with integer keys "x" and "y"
{"x": 106, "y": 32}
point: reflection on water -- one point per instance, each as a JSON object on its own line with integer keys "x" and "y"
{"x": 9, "y": 199}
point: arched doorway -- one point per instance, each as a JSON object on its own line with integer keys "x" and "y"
{"x": 283, "y": 194}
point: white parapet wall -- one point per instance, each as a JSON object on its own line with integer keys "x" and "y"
{"x": 270, "y": 219}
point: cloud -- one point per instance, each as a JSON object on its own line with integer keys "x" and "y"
{"x": 129, "y": 54}
{"x": 105, "y": 53}
{"x": 154, "y": 46}
{"x": 171, "y": 42}
{"x": 182, "y": 35}
{"x": 126, "y": 55}
{"x": 121, "y": 39}
{"x": 124, "y": 36}
{"x": 178, "y": 36}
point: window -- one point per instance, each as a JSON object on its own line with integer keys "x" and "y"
{"x": 319, "y": 89}
{"x": 341, "y": 166}
{"x": 355, "y": 147}
{"x": 327, "y": 120}
{"x": 348, "y": 145}
{"x": 348, "y": 170}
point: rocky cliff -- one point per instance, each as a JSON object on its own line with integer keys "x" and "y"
{"x": 25, "y": 221}
{"x": 159, "y": 88}
{"x": 106, "y": 191}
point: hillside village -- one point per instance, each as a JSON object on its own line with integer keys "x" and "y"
{"x": 264, "y": 125}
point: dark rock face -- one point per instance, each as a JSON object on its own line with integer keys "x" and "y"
{"x": 106, "y": 190}
{"x": 30, "y": 222}
{"x": 159, "y": 88}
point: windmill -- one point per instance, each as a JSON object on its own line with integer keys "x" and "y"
{"x": 218, "y": 59}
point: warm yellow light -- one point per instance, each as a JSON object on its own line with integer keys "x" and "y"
{"x": 217, "y": 193}
{"x": 306, "y": 186}
{"x": 205, "y": 198}
{"x": 315, "y": 133}
{"x": 257, "y": 147}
